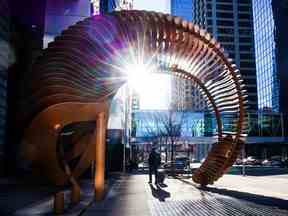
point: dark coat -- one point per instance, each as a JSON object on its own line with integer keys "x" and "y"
{"x": 154, "y": 159}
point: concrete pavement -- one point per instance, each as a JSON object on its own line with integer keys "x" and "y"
{"x": 269, "y": 186}
{"x": 131, "y": 195}
{"x": 27, "y": 198}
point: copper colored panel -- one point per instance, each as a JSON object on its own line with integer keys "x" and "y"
{"x": 78, "y": 74}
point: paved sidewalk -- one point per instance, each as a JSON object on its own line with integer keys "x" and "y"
{"x": 131, "y": 195}
{"x": 269, "y": 186}
{"x": 27, "y": 198}
{"x": 17, "y": 194}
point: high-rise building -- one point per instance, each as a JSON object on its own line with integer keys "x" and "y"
{"x": 265, "y": 51}
{"x": 184, "y": 96}
{"x": 280, "y": 14}
{"x": 231, "y": 23}
{"x": 271, "y": 53}
{"x": 103, "y": 6}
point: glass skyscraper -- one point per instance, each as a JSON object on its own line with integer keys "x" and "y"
{"x": 231, "y": 23}
{"x": 267, "y": 82}
{"x": 280, "y": 15}
{"x": 184, "y": 96}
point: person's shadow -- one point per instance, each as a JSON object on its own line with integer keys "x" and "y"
{"x": 159, "y": 193}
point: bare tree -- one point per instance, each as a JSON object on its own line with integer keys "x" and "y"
{"x": 164, "y": 128}
{"x": 153, "y": 128}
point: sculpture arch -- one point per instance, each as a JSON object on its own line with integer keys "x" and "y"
{"x": 78, "y": 74}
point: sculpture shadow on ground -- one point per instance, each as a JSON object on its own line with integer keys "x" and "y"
{"x": 159, "y": 193}
{"x": 257, "y": 199}
{"x": 244, "y": 196}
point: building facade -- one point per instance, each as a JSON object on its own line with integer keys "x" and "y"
{"x": 265, "y": 53}
{"x": 231, "y": 23}
{"x": 184, "y": 96}
{"x": 271, "y": 53}
{"x": 280, "y": 14}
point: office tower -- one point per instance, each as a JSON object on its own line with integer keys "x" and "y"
{"x": 280, "y": 14}
{"x": 112, "y": 5}
{"x": 271, "y": 53}
{"x": 265, "y": 47}
{"x": 184, "y": 96}
{"x": 231, "y": 23}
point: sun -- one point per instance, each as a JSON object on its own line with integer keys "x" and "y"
{"x": 138, "y": 77}
{"x": 153, "y": 88}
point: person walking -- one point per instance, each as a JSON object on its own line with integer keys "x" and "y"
{"x": 154, "y": 162}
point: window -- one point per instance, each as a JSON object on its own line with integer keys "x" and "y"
{"x": 226, "y": 31}
{"x": 243, "y": 8}
{"x": 252, "y": 98}
{"x": 247, "y": 48}
{"x": 249, "y": 81}
{"x": 225, "y": 23}
{"x": 226, "y": 39}
{"x": 246, "y": 56}
{"x": 230, "y": 47}
{"x": 244, "y": 1}
{"x": 247, "y": 64}
{"x": 225, "y": 1}
{"x": 224, "y": 7}
{"x": 245, "y": 32}
{"x": 243, "y": 16}
{"x": 225, "y": 15}
{"x": 245, "y": 40}
{"x": 251, "y": 89}
{"x": 245, "y": 24}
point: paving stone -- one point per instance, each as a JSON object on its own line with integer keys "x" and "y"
{"x": 132, "y": 196}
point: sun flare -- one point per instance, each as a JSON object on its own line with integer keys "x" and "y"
{"x": 152, "y": 88}
{"x": 138, "y": 77}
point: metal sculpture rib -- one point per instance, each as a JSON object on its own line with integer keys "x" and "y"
{"x": 85, "y": 66}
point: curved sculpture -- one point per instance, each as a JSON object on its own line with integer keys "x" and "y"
{"x": 83, "y": 68}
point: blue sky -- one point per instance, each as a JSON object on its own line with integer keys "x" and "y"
{"x": 154, "y": 5}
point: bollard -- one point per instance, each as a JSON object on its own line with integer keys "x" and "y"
{"x": 59, "y": 202}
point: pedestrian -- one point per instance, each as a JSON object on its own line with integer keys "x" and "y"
{"x": 154, "y": 162}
